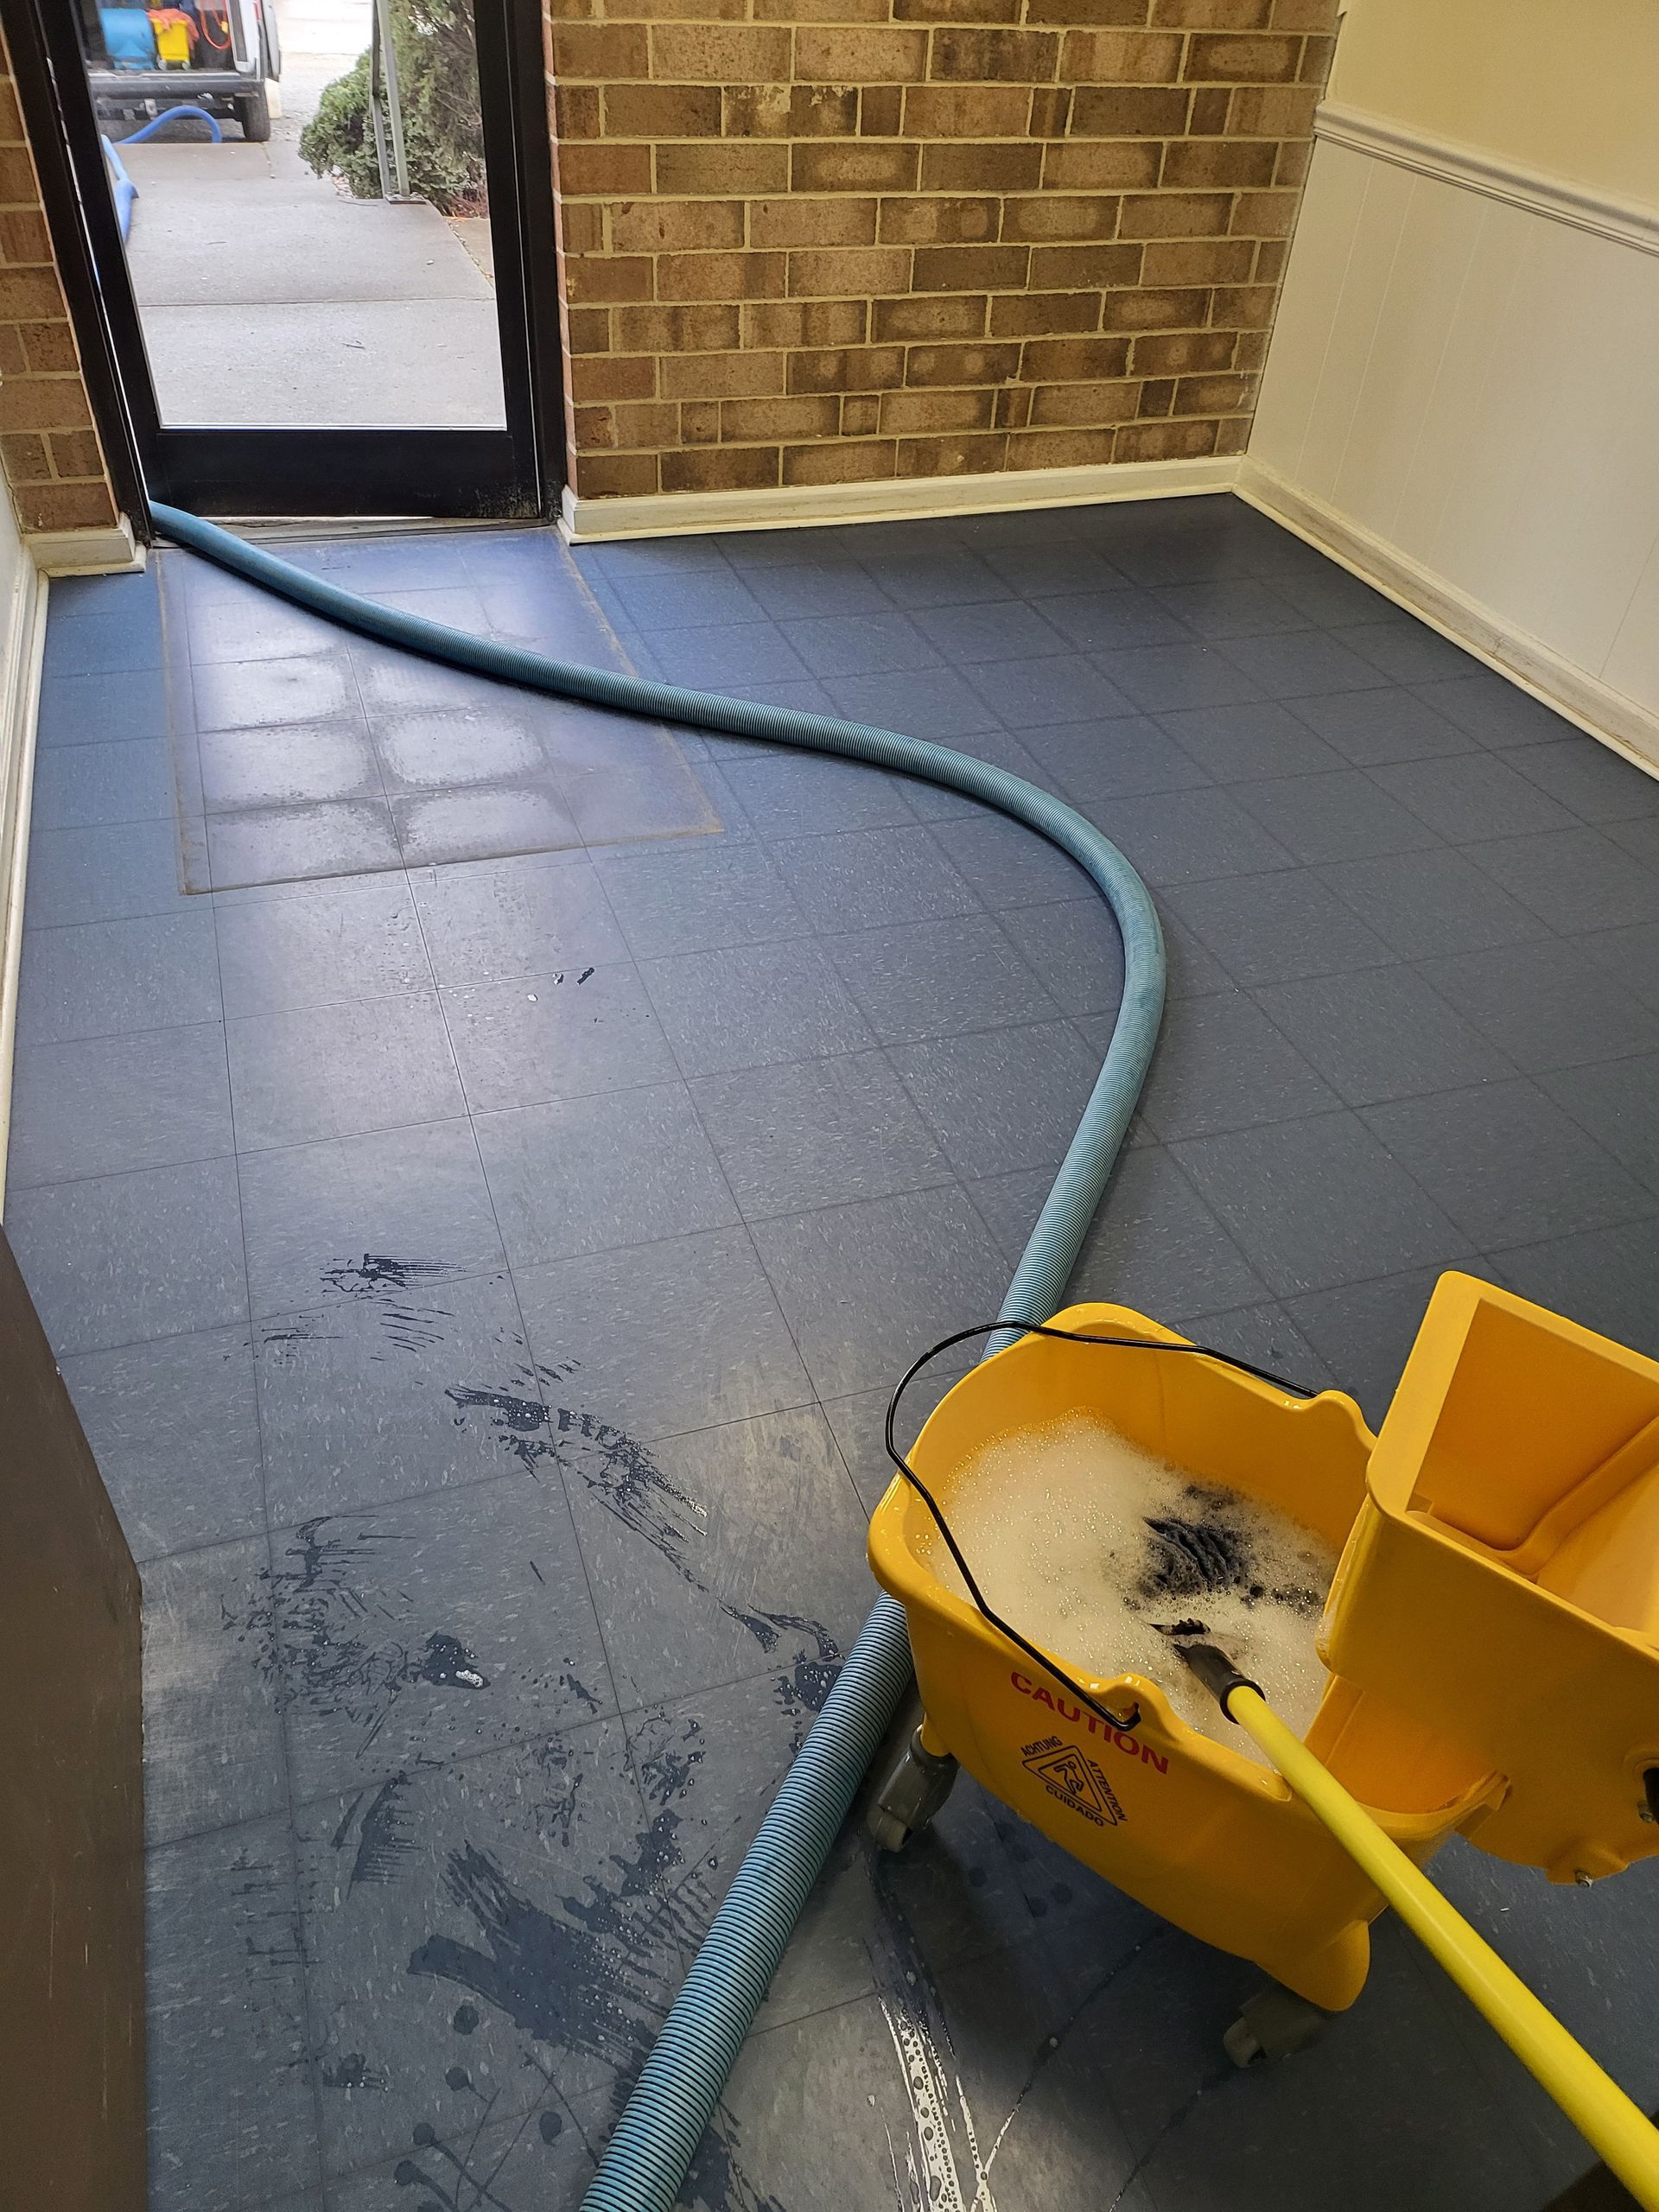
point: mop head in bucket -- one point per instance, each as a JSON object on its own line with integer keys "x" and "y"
{"x": 1106, "y": 1554}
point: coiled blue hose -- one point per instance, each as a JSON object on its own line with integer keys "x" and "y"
{"x": 679, "y": 2086}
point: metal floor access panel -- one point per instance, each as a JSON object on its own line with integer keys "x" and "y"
{"x": 481, "y": 1281}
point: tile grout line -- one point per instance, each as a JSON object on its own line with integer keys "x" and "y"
{"x": 748, "y": 1233}
{"x": 140, "y": 1344}
{"x": 183, "y": 739}
{"x": 1513, "y": 1073}
{"x": 308, "y": 2014}
{"x": 642, "y": 847}
{"x": 532, "y": 1356}
{"x": 617, "y": 1716}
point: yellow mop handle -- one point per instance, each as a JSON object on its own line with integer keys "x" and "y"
{"x": 1596, "y": 2105}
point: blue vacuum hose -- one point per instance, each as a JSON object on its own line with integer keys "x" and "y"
{"x": 122, "y": 190}
{"x": 679, "y": 2086}
{"x": 215, "y": 135}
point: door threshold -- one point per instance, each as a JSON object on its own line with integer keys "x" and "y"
{"x": 278, "y": 529}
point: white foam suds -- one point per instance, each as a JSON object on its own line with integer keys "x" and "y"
{"x": 1058, "y": 1524}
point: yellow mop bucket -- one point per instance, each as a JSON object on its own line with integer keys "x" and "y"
{"x": 1187, "y": 1824}
{"x": 1490, "y": 1632}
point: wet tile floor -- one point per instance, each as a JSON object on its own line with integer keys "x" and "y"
{"x": 480, "y": 1281}
{"x": 300, "y": 752}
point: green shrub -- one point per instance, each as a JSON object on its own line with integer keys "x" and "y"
{"x": 443, "y": 143}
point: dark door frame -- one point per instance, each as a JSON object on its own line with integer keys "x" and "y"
{"x": 515, "y": 471}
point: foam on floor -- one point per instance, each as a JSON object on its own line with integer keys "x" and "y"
{"x": 1091, "y": 1548}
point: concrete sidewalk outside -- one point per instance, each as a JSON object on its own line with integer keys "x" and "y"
{"x": 271, "y": 299}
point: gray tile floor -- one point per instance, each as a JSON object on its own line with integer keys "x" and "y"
{"x": 481, "y": 1282}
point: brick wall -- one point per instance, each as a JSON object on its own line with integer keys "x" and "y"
{"x": 48, "y": 449}
{"x": 822, "y": 241}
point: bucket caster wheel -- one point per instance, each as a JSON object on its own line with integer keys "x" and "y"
{"x": 909, "y": 1795}
{"x": 1273, "y": 2024}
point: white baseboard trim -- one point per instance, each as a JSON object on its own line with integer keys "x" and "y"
{"x": 1618, "y": 721}
{"x": 1630, "y": 222}
{"x": 670, "y": 514}
{"x": 24, "y": 647}
{"x": 108, "y": 552}
{"x": 1595, "y": 707}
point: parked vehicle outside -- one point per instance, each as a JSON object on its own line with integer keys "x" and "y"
{"x": 222, "y": 56}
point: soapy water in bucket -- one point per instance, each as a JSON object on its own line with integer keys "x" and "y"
{"x": 1097, "y": 1550}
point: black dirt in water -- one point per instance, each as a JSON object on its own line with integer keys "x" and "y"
{"x": 1186, "y": 1558}
{"x": 1205, "y": 1551}
{"x": 1193, "y": 1554}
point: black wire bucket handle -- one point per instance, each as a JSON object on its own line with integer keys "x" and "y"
{"x": 1067, "y": 1336}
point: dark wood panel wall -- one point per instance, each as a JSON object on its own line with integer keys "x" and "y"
{"x": 71, "y": 2056}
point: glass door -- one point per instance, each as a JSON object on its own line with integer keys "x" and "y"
{"x": 321, "y": 233}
